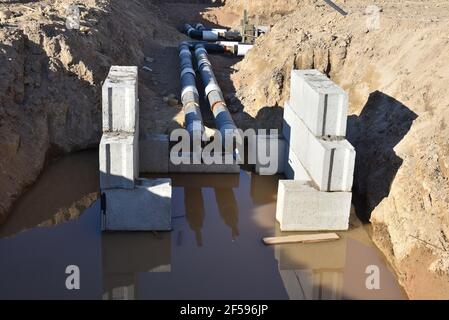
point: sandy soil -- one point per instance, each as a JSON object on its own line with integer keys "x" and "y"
{"x": 396, "y": 75}
{"x": 397, "y": 78}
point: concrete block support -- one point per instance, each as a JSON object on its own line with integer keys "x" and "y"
{"x": 118, "y": 160}
{"x": 120, "y": 100}
{"x": 154, "y": 149}
{"x": 301, "y": 207}
{"x": 329, "y": 163}
{"x": 294, "y": 169}
{"x": 147, "y": 207}
{"x": 321, "y": 104}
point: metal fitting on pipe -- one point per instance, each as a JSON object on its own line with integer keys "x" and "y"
{"x": 189, "y": 94}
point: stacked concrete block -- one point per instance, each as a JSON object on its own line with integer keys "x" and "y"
{"x": 127, "y": 203}
{"x": 293, "y": 168}
{"x": 154, "y": 150}
{"x": 119, "y": 146}
{"x": 147, "y": 207}
{"x": 120, "y": 100}
{"x": 319, "y": 102}
{"x": 118, "y": 160}
{"x": 319, "y": 160}
{"x": 311, "y": 209}
{"x": 328, "y": 160}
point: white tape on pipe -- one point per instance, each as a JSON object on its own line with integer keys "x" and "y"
{"x": 184, "y": 51}
{"x": 242, "y": 49}
{"x": 210, "y": 35}
{"x": 219, "y": 30}
{"x": 189, "y": 89}
{"x": 190, "y": 30}
{"x": 228, "y": 43}
{"x": 202, "y": 49}
{"x": 211, "y": 87}
{"x": 187, "y": 70}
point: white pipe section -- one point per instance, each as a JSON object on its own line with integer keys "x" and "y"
{"x": 242, "y": 49}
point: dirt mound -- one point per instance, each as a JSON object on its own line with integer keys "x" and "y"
{"x": 397, "y": 82}
{"x": 50, "y": 78}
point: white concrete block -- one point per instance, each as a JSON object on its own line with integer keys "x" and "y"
{"x": 145, "y": 208}
{"x": 120, "y": 100}
{"x": 154, "y": 152}
{"x": 188, "y": 166}
{"x": 300, "y": 207}
{"x": 118, "y": 160}
{"x": 294, "y": 170}
{"x": 275, "y": 155}
{"x": 321, "y": 104}
{"x": 329, "y": 163}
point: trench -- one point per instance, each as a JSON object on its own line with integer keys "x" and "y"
{"x": 213, "y": 252}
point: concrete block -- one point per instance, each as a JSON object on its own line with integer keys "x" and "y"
{"x": 154, "y": 151}
{"x": 119, "y": 165}
{"x": 201, "y": 167}
{"x": 329, "y": 163}
{"x": 120, "y": 100}
{"x": 321, "y": 104}
{"x": 301, "y": 207}
{"x": 277, "y": 159}
{"x": 294, "y": 169}
{"x": 145, "y": 208}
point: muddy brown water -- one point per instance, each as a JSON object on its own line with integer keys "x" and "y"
{"x": 214, "y": 251}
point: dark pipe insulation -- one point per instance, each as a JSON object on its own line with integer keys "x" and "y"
{"x": 223, "y": 119}
{"x": 189, "y": 94}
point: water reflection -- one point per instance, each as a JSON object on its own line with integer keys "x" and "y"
{"x": 335, "y": 270}
{"x": 194, "y": 207}
{"x": 214, "y": 251}
{"x": 125, "y": 255}
{"x": 227, "y": 206}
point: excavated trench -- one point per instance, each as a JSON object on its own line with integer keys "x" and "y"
{"x": 214, "y": 250}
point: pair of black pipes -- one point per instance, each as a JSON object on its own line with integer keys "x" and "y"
{"x": 202, "y": 33}
{"x": 213, "y": 93}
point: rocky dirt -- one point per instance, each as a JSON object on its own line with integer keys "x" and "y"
{"x": 50, "y": 80}
{"x": 397, "y": 80}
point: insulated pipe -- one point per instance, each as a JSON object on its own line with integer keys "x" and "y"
{"x": 201, "y": 33}
{"x": 231, "y": 47}
{"x": 189, "y": 94}
{"x": 192, "y": 32}
{"x": 223, "y": 119}
{"x": 242, "y": 49}
{"x": 201, "y": 27}
{"x": 210, "y": 47}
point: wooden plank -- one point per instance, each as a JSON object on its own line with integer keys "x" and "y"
{"x": 303, "y": 238}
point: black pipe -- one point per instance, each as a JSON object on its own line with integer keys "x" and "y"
{"x": 189, "y": 93}
{"x": 224, "y": 122}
